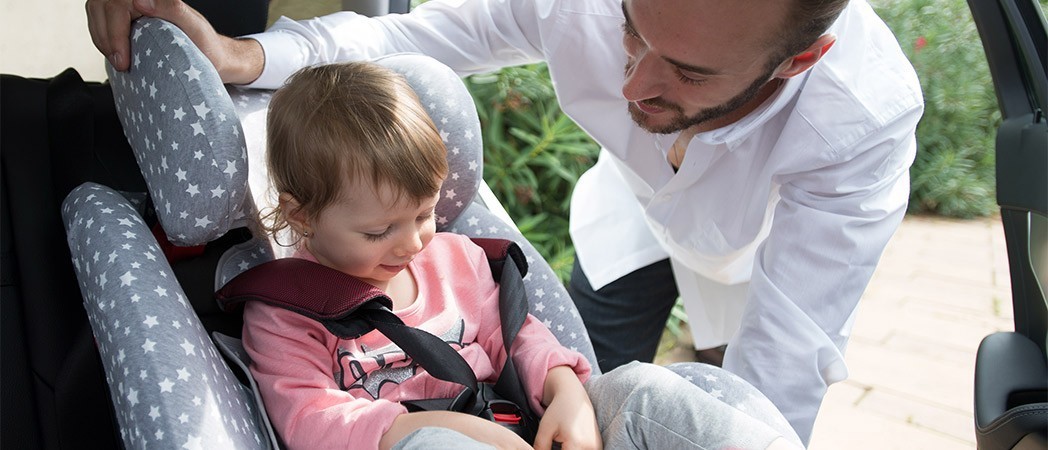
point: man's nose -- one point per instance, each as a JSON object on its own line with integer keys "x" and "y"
{"x": 643, "y": 79}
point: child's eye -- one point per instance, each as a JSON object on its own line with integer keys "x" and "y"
{"x": 378, "y": 236}
{"x": 425, "y": 216}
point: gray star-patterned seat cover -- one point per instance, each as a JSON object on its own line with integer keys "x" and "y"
{"x": 200, "y": 147}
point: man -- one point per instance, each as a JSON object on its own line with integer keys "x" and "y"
{"x": 755, "y": 155}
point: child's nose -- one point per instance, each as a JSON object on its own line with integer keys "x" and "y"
{"x": 409, "y": 245}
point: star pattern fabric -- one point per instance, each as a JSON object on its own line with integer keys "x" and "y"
{"x": 169, "y": 385}
{"x": 735, "y": 392}
{"x": 183, "y": 129}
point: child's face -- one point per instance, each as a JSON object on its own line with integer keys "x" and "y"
{"x": 366, "y": 235}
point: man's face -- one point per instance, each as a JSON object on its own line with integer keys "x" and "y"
{"x": 697, "y": 62}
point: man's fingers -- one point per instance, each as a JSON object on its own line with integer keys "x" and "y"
{"x": 96, "y": 25}
{"x": 118, "y": 17}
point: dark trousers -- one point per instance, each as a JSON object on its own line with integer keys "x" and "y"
{"x": 625, "y": 319}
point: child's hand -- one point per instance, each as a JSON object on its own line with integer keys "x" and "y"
{"x": 569, "y": 418}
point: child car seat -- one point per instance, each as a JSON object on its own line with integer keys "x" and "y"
{"x": 200, "y": 148}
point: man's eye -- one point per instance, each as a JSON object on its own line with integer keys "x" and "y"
{"x": 628, "y": 30}
{"x": 684, "y": 78}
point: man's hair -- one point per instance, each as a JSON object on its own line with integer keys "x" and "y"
{"x": 360, "y": 119}
{"x": 804, "y": 23}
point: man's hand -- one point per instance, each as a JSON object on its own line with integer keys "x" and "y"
{"x": 238, "y": 61}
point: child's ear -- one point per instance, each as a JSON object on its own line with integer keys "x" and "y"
{"x": 807, "y": 58}
{"x": 294, "y": 214}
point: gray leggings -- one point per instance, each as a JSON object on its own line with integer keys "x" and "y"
{"x": 646, "y": 406}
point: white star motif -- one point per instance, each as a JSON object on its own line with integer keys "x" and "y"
{"x": 539, "y": 307}
{"x": 231, "y": 168}
{"x": 193, "y": 443}
{"x": 179, "y": 114}
{"x": 127, "y": 278}
{"x": 112, "y": 257}
{"x": 159, "y": 435}
{"x": 473, "y": 221}
{"x": 717, "y": 393}
{"x": 444, "y": 135}
{"x": 217, "y": 192}
{"x": 473, "y": 166}
{"x": 154, "y": 412}
{"x": 152, "y": 90}
{"x": 128, "y": 234}
{"x": 197, "y": 128}
{"x": 183, "y": 374}
{"x": 151, "y": 321}
{"x": 202, "y": 110}
{"x": 189, "y": 348}
{"x": 148, "y": 346}
{"x": 710, "y": 377}
{"x": 102, "y": 280}
{"x": 449, "y": 194}
{"x": 125, "y": 222}
{"x": 150, "y": 256}
{"x": 160, "y": 291}
{"x": 198, "y": 154}
{"x": 181, "y": 174}
{"x": 193, "y": 190}
{"x": 132, "y": 396}
{"x": 184, "y": 418}
{"x": 193, "y": 73}
{"x": 203, "y": 222}
{"x": 166, "y": 385}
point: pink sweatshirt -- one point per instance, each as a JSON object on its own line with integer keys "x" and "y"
{"x": 324, "y": 392}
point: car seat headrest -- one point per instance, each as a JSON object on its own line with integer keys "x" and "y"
{"x": 201, "y": 146}
{"x": 184, "y": 131}
{"x": 451, "y": 108}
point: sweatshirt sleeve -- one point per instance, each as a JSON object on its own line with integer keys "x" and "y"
{"x": 535, "y": 351}
{"x": 292, "y": 360}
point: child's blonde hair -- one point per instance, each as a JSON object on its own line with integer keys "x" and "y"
{"x": 358, "y": 118}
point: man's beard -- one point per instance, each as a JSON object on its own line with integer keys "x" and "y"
{"x": 682, "y": 122}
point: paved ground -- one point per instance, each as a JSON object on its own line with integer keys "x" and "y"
{"x": 941, "y": 286}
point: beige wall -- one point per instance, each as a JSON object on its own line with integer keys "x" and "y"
{"x": 41, "y": 38}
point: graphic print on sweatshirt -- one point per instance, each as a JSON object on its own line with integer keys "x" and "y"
{"x": 371, "y": 369}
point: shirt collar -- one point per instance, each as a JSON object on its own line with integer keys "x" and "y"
{"x": 734, "y": 134}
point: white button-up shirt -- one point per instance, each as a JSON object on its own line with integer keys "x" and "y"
{"x": 773, "y": 224}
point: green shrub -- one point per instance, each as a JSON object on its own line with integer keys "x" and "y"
{"x": 533, "y": 154}
{"x": 953, "y": 174}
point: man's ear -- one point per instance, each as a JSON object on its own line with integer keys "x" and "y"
{"x": 804, "y": 60}
{"x": 293, "y": 213}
